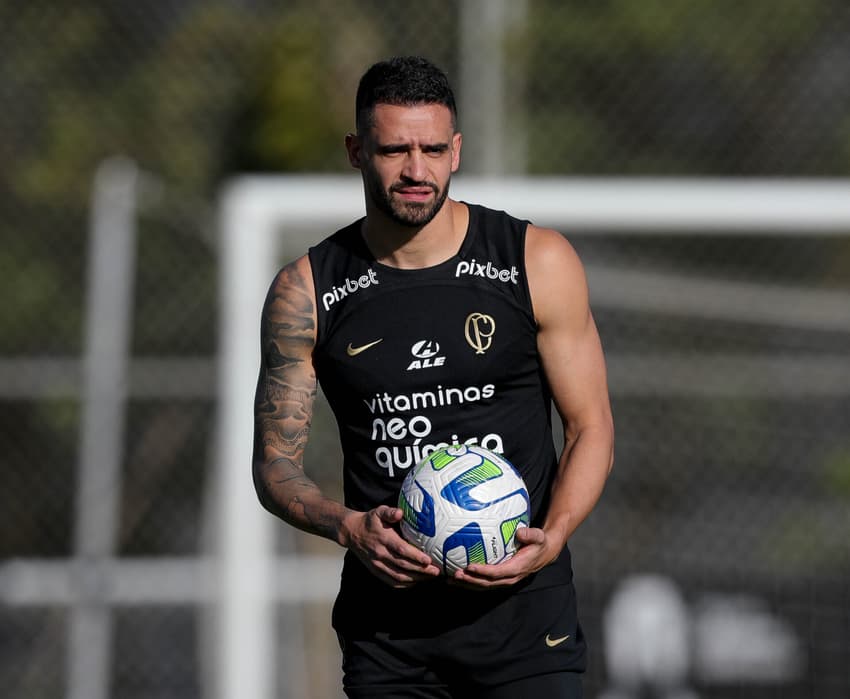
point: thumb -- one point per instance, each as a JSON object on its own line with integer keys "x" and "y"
{"x": 388, "y": 514}
{"x": 529, "y": 535}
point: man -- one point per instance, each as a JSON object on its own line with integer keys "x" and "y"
{"x": 435, "y": 321}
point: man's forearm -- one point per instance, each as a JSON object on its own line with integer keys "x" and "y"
{"x": 285, "y": 490}
{"x": 582, "y": 472}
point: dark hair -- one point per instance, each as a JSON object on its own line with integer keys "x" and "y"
{"x": 402, "y": 81}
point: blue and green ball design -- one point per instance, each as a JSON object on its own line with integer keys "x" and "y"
{"x": 463, "y": 504}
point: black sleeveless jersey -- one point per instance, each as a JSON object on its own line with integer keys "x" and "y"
{"x": 411, "y": 360}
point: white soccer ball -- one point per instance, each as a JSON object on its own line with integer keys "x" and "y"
{"x": 463, "y": 504}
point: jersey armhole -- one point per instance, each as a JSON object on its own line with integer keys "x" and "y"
{"x": 320, "y": 318}
{"x": 525, "y": 285}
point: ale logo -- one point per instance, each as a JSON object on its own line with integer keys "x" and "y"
{"x": 426, "y": 355}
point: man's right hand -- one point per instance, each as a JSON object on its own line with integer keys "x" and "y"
{"x": 374, "y": 538}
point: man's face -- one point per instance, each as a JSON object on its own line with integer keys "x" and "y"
{"x": 407, "y": 158}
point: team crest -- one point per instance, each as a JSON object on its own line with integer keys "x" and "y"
{"x": 479, "y": 330}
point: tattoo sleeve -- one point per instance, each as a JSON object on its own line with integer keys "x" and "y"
{"x": 283, "y": 409}
{"x": 287, "y": 384}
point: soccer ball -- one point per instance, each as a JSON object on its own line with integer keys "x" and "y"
{"x": 463, "y": 504}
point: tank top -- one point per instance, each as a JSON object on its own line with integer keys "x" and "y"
{"x": 414, "y": 359}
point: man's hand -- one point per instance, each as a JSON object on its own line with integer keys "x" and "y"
{"x": 373, "y": 537}
{"x": 535, "y": 551}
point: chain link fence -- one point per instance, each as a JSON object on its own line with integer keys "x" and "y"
{"x": 732, "y": 481}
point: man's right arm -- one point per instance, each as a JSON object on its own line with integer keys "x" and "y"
{"x": 283, "y": 411}
{"x": 283, "y": 408}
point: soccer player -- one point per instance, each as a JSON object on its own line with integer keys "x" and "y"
{"x": 432, "y": 321}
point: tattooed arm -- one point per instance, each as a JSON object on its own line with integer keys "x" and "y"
{"x": 283, "y": 406}
{"x": 283, "y": 411}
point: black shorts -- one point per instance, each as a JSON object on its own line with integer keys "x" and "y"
{"x": 510, "y": 645}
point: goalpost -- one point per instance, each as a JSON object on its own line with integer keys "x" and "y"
{"x": 269, "y": 219}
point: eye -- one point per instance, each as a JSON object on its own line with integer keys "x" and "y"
{"x": 435, "y": 151}
{"x": 391, "y": 151}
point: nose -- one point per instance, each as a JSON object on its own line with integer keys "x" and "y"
{"x": 414, "y": 166}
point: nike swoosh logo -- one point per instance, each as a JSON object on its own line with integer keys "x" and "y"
{"x": 354, "y": 351}
{"x": 552, "y": 642}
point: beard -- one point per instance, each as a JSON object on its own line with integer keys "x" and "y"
{"x": 406, "y": 213}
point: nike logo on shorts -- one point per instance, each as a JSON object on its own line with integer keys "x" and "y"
{"x": 552, "y": 642}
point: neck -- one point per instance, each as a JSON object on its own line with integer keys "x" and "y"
{"x": 415, "y": 248}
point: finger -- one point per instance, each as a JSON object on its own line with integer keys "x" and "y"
{"x": 481, "y": 573}
{"x": 471, "y": 581}
{"x": 405, "y": 551}
{"x": 514, "y": 568}
{"x": 388, "y": 573}
{"x": 530, "y": 535}
{"x": 392, "y": 581}
{"x": 415, "y": 567}
{"x": 399, "y": 547}
{"x": 395, "y": 551}
{"x": 400, "y": 574}
{"x": 423, "y": 566}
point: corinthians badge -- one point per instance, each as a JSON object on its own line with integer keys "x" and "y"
{"x": 479, "y": 330}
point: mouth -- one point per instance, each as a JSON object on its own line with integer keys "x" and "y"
{"x": 414, "y": 193}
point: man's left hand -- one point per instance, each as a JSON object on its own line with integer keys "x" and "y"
{"x": 533, "y": 553}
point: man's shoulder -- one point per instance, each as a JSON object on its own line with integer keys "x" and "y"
{"x": 548, "y": 241}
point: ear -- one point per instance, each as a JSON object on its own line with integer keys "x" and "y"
{"x": 354, "y": 147}
{"x": 457, "y": 142}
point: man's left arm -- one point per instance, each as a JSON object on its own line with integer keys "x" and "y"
{"x": 574, "y": 364}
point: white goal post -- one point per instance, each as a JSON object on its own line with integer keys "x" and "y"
{"x": 267, "y": 219}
